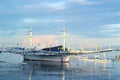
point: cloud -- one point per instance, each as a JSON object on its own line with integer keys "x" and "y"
{"x": 31, "y": 20}
{"x": 77, "y": 42}
{"x": 36, "y": 7}
{"x": 43, "y": 7}
{"x": 57, "y": 6}
{"x": 40, "y": 41}
{"x": 112, "y": 30}
{"x": 3, "y": 33}
{"x": 14, "y": 32}
{"x": 37, "y": 21}
{"x": 59, "y": 20}
{"x": 111, "y": 27}
{"x": 83, "y": 2}
{"x": 115, "y": 35}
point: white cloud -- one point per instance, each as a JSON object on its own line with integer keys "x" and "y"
{"x": 77, "y": 42}
{"x": 110, "y": 28}
{"x": 14, "y": 32}
{"x": 40, "y": 41}
{"x": 53, "y": 40}
{"x": 30, "y": 20}
{"x": 37, "y": 21}
{"x": 115, "y": 35}
{"x": 107, "y": 31}
{"x": 35, "y": 5}
{"x": 59, "y": 20}
{"x": 44, "y": 6}
{"x": 57, "y": 6}
{"x": 83, "y": 2}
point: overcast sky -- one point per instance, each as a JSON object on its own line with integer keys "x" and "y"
{"x": 90, "y": 19}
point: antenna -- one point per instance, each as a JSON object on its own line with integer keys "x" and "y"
{"x": 64, "y": 38}
{"x": 31, "y": 37}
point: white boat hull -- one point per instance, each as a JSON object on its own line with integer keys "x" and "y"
{"x": 50, "y": 58}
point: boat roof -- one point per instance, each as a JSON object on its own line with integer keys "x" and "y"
{"x": 55, "y": 48}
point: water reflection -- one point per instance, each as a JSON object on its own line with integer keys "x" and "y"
{"x": 74, "y": 70}
{"x": 93, "y": 70}
{"x": 47, "y": 65}
{"x": 50, "y": 70}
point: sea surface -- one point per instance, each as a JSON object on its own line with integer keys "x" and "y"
{"x": 76, "y": 69}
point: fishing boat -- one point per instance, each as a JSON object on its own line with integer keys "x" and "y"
{"x": 57, "y": 53}
{"x": 48, "y": 54}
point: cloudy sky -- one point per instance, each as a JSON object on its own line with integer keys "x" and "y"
{"x": 93, "y": 20}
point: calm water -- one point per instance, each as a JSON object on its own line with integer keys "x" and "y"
{"x": 76, "y": 69}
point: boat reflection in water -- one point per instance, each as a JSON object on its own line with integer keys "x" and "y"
{"x": 74, "y": 70}
{"x": 42, "y": 65}
{"x": 45, "y": 70}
